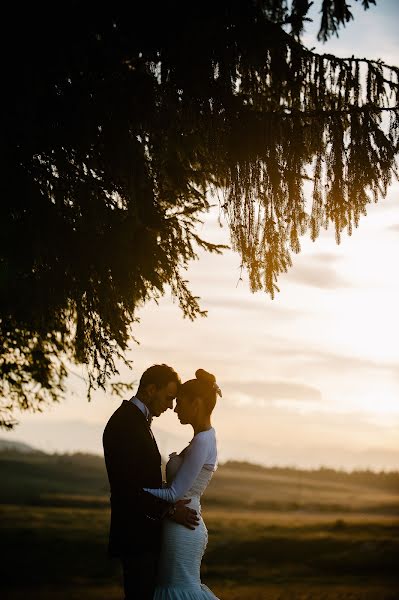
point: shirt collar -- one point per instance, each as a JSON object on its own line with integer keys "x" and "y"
{"x": 143, "y": 408}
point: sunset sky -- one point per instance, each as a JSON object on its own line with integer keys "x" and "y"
{"x": 310, "y": 378}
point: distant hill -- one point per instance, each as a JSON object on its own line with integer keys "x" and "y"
{"x": 30, "y": 477}
{"x": 16, "y": 446}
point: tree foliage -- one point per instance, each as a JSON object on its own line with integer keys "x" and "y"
{"x": 119, "y": 122}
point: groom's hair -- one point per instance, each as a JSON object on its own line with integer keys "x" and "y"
{"x": 160, "y": 375}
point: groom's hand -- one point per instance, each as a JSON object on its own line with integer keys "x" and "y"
{"x": 184, "y": 515}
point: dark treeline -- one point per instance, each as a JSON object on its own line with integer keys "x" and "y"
{"x": 388, "y": 480}
{"x": 31, "y": 477}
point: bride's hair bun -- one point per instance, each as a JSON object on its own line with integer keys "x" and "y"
{"x": 203, "y": 386}
{"x": 204, "y": 376}
{"x": 209, "y": 380}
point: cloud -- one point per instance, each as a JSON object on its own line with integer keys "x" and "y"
{"x": 340, "y": 362}
{"x": 326, "y": 257}
{"x": 319, "y": 272}
{"x": 394, "y": 228}
{"x": 270, "y": 391}
{"x": 252, "y": 305}
{"x": 330, "y": 361}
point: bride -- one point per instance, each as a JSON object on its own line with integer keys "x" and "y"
{"x": 188, "y": 475}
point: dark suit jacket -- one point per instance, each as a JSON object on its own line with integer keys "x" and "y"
{"x": 133, "y": 462}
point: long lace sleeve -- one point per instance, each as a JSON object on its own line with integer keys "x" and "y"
{"x": 195, "y": 457}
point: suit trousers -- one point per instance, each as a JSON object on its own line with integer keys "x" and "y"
{"x": 139, "y": 575}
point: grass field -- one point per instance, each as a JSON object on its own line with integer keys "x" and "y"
{"x": 273, "y": 534}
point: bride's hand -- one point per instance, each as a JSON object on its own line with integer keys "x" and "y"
{"x": 184, "y": 515}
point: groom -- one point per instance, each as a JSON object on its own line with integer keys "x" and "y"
{"x": 133, "y": 462}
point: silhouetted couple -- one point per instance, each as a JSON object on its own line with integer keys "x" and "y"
{"x": 158, "y": 532}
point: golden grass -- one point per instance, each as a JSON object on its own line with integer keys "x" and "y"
{"x": 297, "y": 591}
{"x": 265, "y": 489}
{"x": 290, "y": 536}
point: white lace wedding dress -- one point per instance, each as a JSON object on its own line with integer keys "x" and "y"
{"x": 182, "y": 548}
